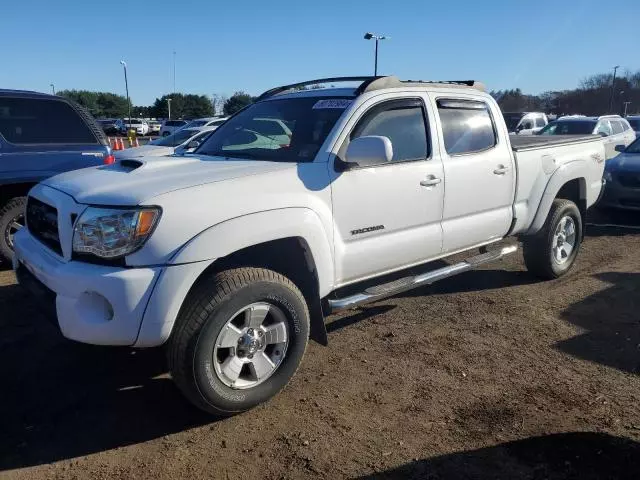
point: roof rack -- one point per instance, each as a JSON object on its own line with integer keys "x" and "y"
{"x": 371, "y": 83}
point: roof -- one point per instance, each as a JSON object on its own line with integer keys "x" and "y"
{"x": 365, "y": 84}
{"x": 5, "y": 92}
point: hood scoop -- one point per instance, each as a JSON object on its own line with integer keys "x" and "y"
{"x": 130, "y": 164}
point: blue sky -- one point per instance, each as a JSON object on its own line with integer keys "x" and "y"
{"x": 252, "y": 45}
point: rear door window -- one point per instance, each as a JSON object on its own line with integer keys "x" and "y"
{"x": 540, "y": 122}
{"x": 604, "y": 128}
{"x": 616, "y": 126}
{"x": 467, "y": 126}
{"x": 37, "y": 121}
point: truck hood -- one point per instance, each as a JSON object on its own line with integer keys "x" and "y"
{"x": 138, "y": 180}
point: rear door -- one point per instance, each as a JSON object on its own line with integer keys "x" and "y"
{"x": 40, "y": 137}
{"x": 605, "y": 129}
{"x": 478, "y": 171}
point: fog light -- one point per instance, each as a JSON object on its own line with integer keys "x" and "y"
{"x": 95, "y": 308}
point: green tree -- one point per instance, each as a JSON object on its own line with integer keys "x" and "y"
{"x": 99, "y": 104}
{"x": 182, "y": 106}
{"x": 237, "y": 102}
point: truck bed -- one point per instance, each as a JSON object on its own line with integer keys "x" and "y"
{"x": 526, "y": 142}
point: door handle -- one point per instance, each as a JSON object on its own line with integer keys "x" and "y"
{"x": 430, "y": 181}
{"x": 501, "y": 170}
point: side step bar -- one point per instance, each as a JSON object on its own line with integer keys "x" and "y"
{"x": 379, "y": 292}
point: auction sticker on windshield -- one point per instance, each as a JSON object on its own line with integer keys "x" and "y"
{"x": 341, "y": 103}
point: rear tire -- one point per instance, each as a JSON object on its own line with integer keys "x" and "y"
{"x": 238, "y": 339}
{"x": 552, "y": 251}
{"x": 11, "y": 220}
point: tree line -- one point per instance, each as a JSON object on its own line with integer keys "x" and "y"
{"x": 111, "y": 105}
{"x": 595, "y": 95}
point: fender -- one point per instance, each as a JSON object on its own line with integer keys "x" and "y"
{"x": 237, "y": 233}
{"x": 569, "y": 171}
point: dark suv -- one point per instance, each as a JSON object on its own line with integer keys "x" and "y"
{"x": 40, "y": 136}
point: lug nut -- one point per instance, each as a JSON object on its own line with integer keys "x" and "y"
{"x": 250, "y": 331}
{"x": 240, "y": 353}
{"x": 260, "y": 333}
{"x": 250, "y": 356}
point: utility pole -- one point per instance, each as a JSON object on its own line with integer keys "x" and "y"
{"x": 613, "y": 85}
{"x": 126, "y": 86}
{"x": 169, "y": 107}
{"x": 53, "y": 88}
{"x": 174, "y": 71}
{"x": 626, "y": 104}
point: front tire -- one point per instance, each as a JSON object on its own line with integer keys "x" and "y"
{"x": 11, "y": 220}
{"x": 238, "y": 340}
{"x": 552, "y": 251}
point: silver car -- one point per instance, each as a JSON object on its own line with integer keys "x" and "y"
{"x": 615, "y": 130}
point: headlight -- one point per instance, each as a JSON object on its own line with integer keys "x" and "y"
{"x": 111, "y": 232}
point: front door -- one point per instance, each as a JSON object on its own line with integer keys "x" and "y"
{"x": 479, "y": 171}
{"x": 388, "y": 216}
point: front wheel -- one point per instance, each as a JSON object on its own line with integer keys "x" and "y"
{"x": 239, "y": 339}
{"x": 11, "y": 220}
{"x": 552, "y": 251}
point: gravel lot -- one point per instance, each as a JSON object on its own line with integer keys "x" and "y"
{"x": 487, "y": 375}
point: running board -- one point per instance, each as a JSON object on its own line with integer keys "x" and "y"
{"x": 385, "y": 290}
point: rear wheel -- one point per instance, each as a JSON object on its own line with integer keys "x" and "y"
{"x": 239, "y": 339}
{"x": 11, "y": 221}
{"x": 553, "y": 250}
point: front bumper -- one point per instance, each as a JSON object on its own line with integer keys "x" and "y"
{"x": 105, "y": 305}
{"x": 617, "y": 195}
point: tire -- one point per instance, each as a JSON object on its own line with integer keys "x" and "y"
{"x": 195, "y": 359}
{"x": 11, "y": 214}
{"x": 548, "y": 256}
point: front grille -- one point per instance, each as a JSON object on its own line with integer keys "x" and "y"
{"x": 42, "y": 222}
{"x": 630, "y": 180}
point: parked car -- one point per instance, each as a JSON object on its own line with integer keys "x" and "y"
{"x": 40, "y": 135}
{"x": 112, "y": 126}
{"x": 140, "y": 126}
{"x": 634, "y": 121}
{"x": 235, "y": 255}
{"x": 170, "y": 126}
{"x": 622, "y": 175}
{"x": 614, "y": 128}
{"x": 182, "y": 141}
{"x": 154, "y": 127}
{"x": 525, "y": 123}
{"x": 206, "y": 122}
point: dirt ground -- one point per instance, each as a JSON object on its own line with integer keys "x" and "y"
{"x": 489, "y": 375}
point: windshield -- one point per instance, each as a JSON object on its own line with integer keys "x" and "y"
{"x": 133, "y": 122}
{"x": 635, "y": 123}
{"x": 634, "y": 147}
{"x": 197, "y": 123}
{"x": 175, "y": 139}
{"x": 569, "y": 127}
{"x": 512, "y": 120}
{"x": 286, "y": 130}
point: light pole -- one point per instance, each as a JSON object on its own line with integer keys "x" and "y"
{"x": 126, "y": 86}
{"x": 169, "y": 107}
{"x": 53, "y": 88}
{"x": 626, "y": 104}
{"x": 613, "y": 85}
{"x": 377, "y": 38}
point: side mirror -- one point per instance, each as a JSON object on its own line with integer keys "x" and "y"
{"x": 193, "y": 144}
{"x": 369, "y": 150}
{"x": 620, "y": 148}
{"x": 603, "y": 134}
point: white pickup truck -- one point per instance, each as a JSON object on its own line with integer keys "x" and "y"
{"x": 234, "y": 255}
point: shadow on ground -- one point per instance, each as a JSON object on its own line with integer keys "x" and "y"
{"x": 579, "y": 455}
{"x": 611, "y": 223}
{"x": 612, "y": 320}
{"x": 61, "y": 400}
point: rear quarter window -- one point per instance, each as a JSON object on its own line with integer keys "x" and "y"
{"x": 37, "y": 121}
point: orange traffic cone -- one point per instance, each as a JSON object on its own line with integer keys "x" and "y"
{"x": 121, "y": 144}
